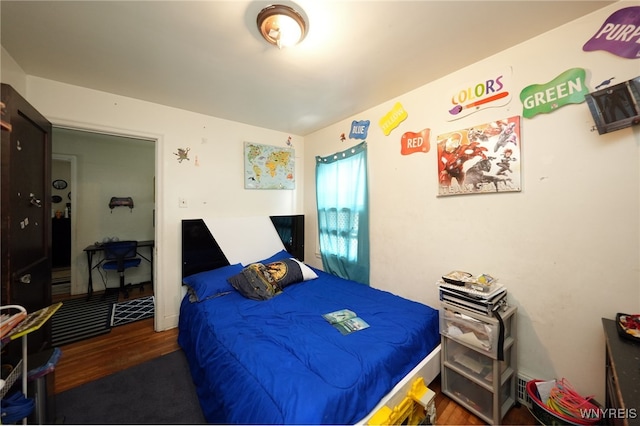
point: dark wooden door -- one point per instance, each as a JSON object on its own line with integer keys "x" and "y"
{"x": 26, "y": 209}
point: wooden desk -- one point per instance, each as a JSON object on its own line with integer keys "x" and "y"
{"x": 622, "y": 378}
{"x": 94, "y": 248}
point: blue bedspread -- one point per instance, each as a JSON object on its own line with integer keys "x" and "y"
{"x": 280, "y": 362}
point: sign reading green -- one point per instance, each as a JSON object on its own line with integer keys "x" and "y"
{"x": 567, "y": 88}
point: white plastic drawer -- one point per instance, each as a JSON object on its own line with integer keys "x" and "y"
{"x": 476, "y": 397}
{"x": 470, "y": 394}
{"x": 473, "y": 362}
{"x": 472, "y": 329}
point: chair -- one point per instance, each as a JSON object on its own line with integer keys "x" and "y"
{"x": 118, "y": 256}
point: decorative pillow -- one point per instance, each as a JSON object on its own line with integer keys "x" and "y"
{"x": 263, "y": 281}
{"x": 285, "y": 272}
{"x": 282, "y": 254}
{"x": 253, "y": 282}
{"x": 213, "y": 283}
{"x": 307, "y": 272}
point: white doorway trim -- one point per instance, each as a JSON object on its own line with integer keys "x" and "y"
{"x": 72, "y": 160}
{"x": 159, "y": 315}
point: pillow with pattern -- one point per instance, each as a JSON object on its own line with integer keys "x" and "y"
{"x": 253, "y": 282}
{"x": 260, "y": 281}
{"x": 282, "y": 254}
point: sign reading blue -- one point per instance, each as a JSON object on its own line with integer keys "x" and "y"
{"x": 359, "y": 129}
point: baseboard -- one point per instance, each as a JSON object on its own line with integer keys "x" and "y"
{"x": 62, "y": 288}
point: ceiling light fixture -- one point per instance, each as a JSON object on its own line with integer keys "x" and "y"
{"x": 281, "y": 25}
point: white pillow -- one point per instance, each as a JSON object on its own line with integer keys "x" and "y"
{"x": 307, "y": 273}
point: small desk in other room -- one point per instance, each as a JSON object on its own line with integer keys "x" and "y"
{"x": 94, "y": 248}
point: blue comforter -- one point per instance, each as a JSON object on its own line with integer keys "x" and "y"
{"x": 280, "y": 362}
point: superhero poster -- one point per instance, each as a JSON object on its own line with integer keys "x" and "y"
{"x": 481, "y": 159}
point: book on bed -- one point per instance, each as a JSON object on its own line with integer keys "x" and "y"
{"x": 345, "y": 321}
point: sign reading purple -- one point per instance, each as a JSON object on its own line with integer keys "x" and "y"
{"x": 620, "y": 34}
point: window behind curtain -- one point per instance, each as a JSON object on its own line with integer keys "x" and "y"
{"x": 343, "y": 213}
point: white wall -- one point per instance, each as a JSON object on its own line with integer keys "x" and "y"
{"x": 11, "y": 73}
{"x": 211, "y": 181}
{"x": 566, "y": 246}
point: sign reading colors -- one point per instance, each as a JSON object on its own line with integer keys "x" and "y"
{"x": 567, "y": 88}
{"x": 491, "y": 91}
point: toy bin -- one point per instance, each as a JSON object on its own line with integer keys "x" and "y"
{"x": 546, "y": 416}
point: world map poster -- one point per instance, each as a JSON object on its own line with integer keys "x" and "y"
{"x": 481, "y": 159}
{"x": 268, "y": 167}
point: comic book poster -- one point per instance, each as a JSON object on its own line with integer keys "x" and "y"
{"x": 480, "y": 159}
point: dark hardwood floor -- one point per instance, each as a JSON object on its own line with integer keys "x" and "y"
{"x": 123, "y": 347}
{"x": 448, "y": 412}
{"x": 135, "y": 343}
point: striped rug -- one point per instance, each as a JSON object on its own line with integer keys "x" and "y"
{"x": 79, "y": 319}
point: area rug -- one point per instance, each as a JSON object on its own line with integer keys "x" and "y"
{"x": 79, "y": 319}
{"x": 132, "y": 310}
{"x": 156, "y": 392}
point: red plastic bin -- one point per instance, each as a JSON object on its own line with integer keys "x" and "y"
{"x": 549, "y": 417}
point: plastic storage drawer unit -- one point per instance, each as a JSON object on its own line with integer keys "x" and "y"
{"x": 478, "y": 368}
{"x": 476, "y": 330}
{"x": 474, "y": 363}
{"x": 478, "y": 398}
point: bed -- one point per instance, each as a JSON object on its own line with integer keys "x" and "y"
{"x": 280, "y": 361}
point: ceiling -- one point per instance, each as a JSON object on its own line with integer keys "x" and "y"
{"x": 208, "y": 56}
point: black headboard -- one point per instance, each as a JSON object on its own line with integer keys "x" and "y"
{"x": 291, "y": 231}
{"x": 201, "y": 252}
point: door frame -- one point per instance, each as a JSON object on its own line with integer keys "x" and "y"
{"x": 72, "y": 159}
{"x": 158, "y": 215}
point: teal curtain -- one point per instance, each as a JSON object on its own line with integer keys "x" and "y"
{"x": 343, "y": 213}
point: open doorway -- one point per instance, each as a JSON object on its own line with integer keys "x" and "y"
{"x": 63, "y": 176}
{"x": 102, "y": 166}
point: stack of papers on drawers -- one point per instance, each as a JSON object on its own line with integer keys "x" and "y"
{"x": 478, "y": 301}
